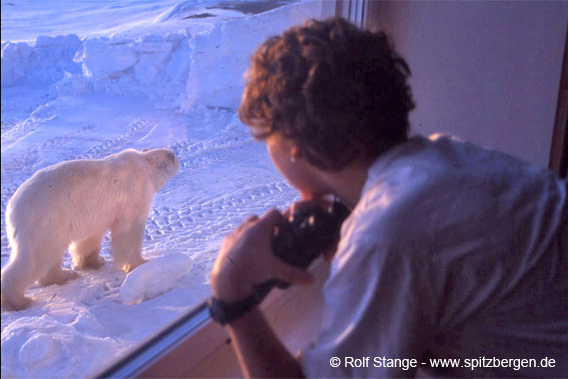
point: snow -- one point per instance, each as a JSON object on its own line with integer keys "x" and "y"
{"x": 155, "y": 278}
{"x": 37, "y": 342}
{"x": 85, "y": 79}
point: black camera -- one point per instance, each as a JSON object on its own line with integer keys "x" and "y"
{"x": 299, "y": 240}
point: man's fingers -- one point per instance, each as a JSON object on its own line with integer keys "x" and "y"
{"x": 251, "y": 218}
{"x": 309, "y": 204}
{"x": 271, "y": 218}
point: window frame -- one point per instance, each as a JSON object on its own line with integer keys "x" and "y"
{"x": 355, "y": 11}
{"x": 559, "y": 144}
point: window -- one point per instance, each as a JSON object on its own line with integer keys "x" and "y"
{"x": 84, "y": 80}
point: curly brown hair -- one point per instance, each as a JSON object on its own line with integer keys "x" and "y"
{"x": 339, "y": 92}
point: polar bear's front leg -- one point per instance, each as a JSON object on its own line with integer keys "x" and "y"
{"x": 86, "y": 253}
{"x": 126, "y": 246}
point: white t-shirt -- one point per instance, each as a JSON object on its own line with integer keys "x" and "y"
{"x": 453, "y": 251}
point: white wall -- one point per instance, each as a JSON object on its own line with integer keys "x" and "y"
{"x": 488, "y": 72}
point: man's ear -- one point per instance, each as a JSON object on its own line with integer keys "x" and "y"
{"x": 295, "y": 152}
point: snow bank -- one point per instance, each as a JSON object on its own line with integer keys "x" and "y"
{"x": 154, "y": 278}
{"x": 221, "y": 56}
{"x": 155, "y": 66}
{"x": 45, "y": 63}
{"x": 32, "y": 346}
{"x": 177, "y": 68}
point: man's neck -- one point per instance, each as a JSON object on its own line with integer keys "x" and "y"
{"x": 348, "y": 183}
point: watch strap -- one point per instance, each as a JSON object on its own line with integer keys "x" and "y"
{"x": 226, "y": 312}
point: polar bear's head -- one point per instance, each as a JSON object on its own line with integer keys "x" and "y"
{"x": 164, "y": 164}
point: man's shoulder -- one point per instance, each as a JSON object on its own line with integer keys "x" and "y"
{"x": 429, "y": 179}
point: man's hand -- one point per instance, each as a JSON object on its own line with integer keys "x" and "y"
{"x": 246, "y": 259}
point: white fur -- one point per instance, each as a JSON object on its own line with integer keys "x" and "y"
{"x": 73, "y": 204}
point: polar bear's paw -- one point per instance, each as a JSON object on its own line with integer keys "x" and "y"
{"x": 13, "y": 302}
{"x": 91, "y": 262}
{"x": 58, "y": 276}
{"x": 129, "y": 266}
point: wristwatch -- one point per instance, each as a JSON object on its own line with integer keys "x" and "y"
{"x": 226, "y": 312}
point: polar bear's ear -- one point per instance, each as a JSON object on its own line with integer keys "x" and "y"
{"x": 145, "y": 150}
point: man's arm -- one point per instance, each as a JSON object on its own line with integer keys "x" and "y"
{"x": 260, "y": 352}
{"x": 246, "y": 259}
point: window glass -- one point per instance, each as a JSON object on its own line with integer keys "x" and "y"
{"x": 83, "y": 80}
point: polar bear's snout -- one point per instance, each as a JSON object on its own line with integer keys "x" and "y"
{"x": 172, "y": 156}
{"x": 174, "y": 159}
{"x": 165, "y": 165}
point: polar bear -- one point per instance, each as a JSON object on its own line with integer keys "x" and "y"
{"x": 72, "y": 205}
